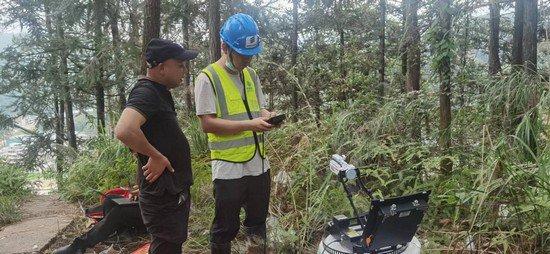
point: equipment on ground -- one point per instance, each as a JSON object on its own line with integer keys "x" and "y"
{"x": 388, "y": 227}
{"x": 108, "y": 199}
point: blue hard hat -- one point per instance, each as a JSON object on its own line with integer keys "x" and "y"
{"x": 240, "y": 32}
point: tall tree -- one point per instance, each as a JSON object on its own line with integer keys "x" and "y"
{"x": 494, "y": 59}
{"x": 382, "y": 48}
{"x": 341, "y": 35}
{"x": 214, "y": 29}
{"x": 294, "y": 56}
{"x": 530, "y": 17}
{"x": 234, "y": 6}
{"x": 99, "y": 15}
{"x": 134, "y": 40}
{"x": 185, "y": 24}
{"x": 151, "y": 28}
{"x": 114, "y": 14}
{"x": 133, "y": 15}
{"x": 64, "y": 81}
{"x": 412, "y": 43}
{"x": 413, "y": 46}
{"x": 465, "y": 46}
{"x": 403, "y": 47}
{"x": 517, "y": 39}
{"x": 443, "y": 65}
{"x": 54, "y": 75}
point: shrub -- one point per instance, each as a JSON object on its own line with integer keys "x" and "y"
{"x": 14, "y": 188}
{"x": 103, "y": 164}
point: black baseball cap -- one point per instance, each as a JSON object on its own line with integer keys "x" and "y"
{"x": 160, "y": 50}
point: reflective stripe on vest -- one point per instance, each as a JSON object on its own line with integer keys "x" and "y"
{"x": 221, "y": 145}
{"x": 240, "y": 147}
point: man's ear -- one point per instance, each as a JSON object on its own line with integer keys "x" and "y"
{"x": 161, "y": 68}
{"x": 224, "y": 48}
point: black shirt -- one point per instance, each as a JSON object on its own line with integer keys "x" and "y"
{"x": 163, "y": 132}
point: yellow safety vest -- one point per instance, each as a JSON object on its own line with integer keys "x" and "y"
{"x": 230, "y": 105}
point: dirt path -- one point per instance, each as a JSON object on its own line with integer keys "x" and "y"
{"x": 43, "y": 216}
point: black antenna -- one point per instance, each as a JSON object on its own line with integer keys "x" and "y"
{"x": 343, "y": 180}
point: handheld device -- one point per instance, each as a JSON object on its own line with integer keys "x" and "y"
{"x": 276, "y": 120}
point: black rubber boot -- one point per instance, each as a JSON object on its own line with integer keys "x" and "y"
{"x": 224, "y": 248}
{"x": 76, "y": 247}
{"x": 257, "y": 239}
{"x": 257, "y": 231}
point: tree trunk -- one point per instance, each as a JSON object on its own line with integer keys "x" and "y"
{"x": 68, "y": 106}
{"x": 186, "y": 22}
{"x": 382, "y": 49}
{"x": 64, "y": 81}
{"x": 119, "y": 76}
{"x": 214, "y": 29}
{"x": 517, "y": 39}
{"x": 99, "y": 15}
{"x": 133, "y": 15}
{"x": 58, "y": 114}
{"x": 341, "y": 36}
{"x": 58, "y": 136}
{"x": 494, "y": 59}
{"x": 530, "y": 18}
{"x": 62, "y": 113}
{"x": 134, "y": 19}
{"x": 233, "y": 7}
{"x": 413, "y": 47}
{"x": 100, "y": 104}
{"x": 444, "y": 70}
{"x": 464, "y": 57}
{"x": 151, "y": 28}
{"x": 294, "y": 57}
{"x": 403, "y": 49}
{"x": 230, "y": 7}
{"x": 412, "y": 38}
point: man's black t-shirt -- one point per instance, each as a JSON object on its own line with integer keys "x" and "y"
{"x": 163, "y": 132}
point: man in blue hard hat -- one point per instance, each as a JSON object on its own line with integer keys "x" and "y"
{"x": 232, "y": 110}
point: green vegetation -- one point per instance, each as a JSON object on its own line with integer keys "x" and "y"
{"x": 14, "y": 188}
{"x": 448, "y": 95}
{"x": 102, "y": 165}
{"x": 498, "y": 193}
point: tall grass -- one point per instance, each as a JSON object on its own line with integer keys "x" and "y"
{"x": 496, "y": 199}
{"x": 14, "y": 188}
{"x": 102, "y": 164}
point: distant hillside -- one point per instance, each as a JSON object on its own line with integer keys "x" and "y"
{"x": 5, "y": 39}
{"x": 6, "y": 101}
